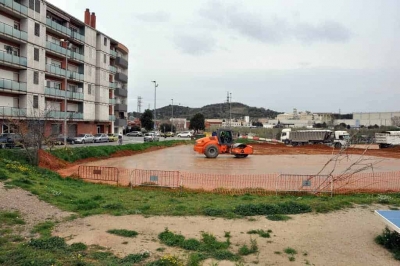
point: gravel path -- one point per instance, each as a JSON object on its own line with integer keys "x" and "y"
{"x": 33, "y": 210}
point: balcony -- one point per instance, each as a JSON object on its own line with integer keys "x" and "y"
{"x": 121, "y": 92}
{"x": 8, "y": 84}
{"x": 111, "y": 101}
{"x": 15, "y": 6}
{"x": 12, "y": 59}
{"x": 62, "y": 29}
{"x": 61, "y": 72}
{"x": 12, "y": 111}
{"x": 112, "y": 118}
{"x": 63, "y": 94}
{"x": 113, "y": 53}
{"x": 61, "y": 50}
{"x": 62, "y": 115}
{"x": 121, "y": 62}
{"x": 112, "y": 85}
{"x": 10, "y": 31}
{"x": 121, "y": 107}
{"x": 120, "y": 122}
{"x": 121, "y": 77}
{"x": 113, "y": 69}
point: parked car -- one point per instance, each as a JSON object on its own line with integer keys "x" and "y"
{"x": 112, "y": 137}
{"x": 59, "y": 140}
{"x": 168, "y": 134}
{"x": 10, "y": 140}
{"x": 134, "y": 134}
{"x": 84, "y": 138}
{"x": 100, "y": 138}
{"x": 150, "y": 137}
{"x": 186, "y": 134}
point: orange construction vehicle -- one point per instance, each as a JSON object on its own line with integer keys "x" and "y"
{"x": 222, "y": 143}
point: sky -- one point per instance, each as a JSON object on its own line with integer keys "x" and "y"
{"x": 315, "y": 55}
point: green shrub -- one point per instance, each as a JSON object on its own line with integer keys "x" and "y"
{"x": 52, "y": 243}
{"x": 78, "y": 246}
{"x": 134, "y": 258}
{"x": 123, "y": 232}
{"x": 278, "y": 217}
{"x": 391, "y": 241}
{"x": 214, "y": 212}
{"x": 290, "y": 251}
{"x": 171, "y": 239}
{"x": 268, "y": 209}
{"x": 261, "y": 233}
{"x": 191, "y": 244}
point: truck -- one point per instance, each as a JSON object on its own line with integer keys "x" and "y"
{"x": 303, "y": 137}
{"x": 387, "y": 139}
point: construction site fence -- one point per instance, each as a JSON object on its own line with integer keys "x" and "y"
{"x": 381, "y": 182}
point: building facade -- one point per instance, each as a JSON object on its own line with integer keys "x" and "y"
{"x": 55, "y": 67}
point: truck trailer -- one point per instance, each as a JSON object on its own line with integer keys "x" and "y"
{"x": 387, "y": 139}
{"x": 303, "y": 137}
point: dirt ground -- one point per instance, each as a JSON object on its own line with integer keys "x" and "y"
{"x": 339, "y": 238}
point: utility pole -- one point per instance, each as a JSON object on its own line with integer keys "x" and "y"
{"x": 139, "y": 104}
{"x": 230, "y": 109}
{"x": 172, "y": 114}
{"x": 155, "y": 103}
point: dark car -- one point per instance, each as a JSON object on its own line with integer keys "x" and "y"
{"x": 59, "y": 140}
{"x": 10, "y": 140}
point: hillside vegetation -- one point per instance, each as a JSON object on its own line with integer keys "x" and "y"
{"x": 218, "y": 110}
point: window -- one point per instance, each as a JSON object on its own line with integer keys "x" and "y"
{"x": 105, "y": 58}
{"x": 36, "y": 77}
{"x": 37, "y": 29}
{"x": 36, "y": 54}
{"x": 16, "y": 25}
{"x": 32, "y": 4}
{"x": 37, "y": 6}
{"x": 72, "y": 88}
{"x": 35, "y": 101}
{"x": 89, "y": 89}
{"x": 105, "y": 41}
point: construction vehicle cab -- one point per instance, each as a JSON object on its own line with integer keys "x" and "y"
{"x": 222, "y": 142}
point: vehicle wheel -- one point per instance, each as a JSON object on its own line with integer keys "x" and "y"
{"x": 72, "y": 142}
{"x": 338, "y": 145}
{"x": 241, "y": 155}
{"x": 287, "y": 142}
{"x": 211, "y": 151}
{"x": 83, "y": 142}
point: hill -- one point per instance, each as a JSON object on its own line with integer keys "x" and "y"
{"x": 218, "y": 110}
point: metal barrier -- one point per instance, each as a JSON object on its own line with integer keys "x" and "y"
{"x": 99, "y": 173}
{"x": 247, "y": 183}
{"x": 304, "y": 183}
{"x": 155, "y": 178}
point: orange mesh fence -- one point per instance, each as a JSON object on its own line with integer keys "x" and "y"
{"x": 384, "y": 182}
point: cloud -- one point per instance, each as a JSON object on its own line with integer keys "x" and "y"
{"x": 198, "y": 44}
{"x": 272, "y": 29}
{"x": 153, "y": 17}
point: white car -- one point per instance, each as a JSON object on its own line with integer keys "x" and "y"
{"x": 150, "y": 137}
{"x": 185, "y": 134}
{"x": 84, "y": 138}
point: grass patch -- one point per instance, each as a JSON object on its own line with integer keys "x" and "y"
{"x": 207, "y": 247}
{"x": 10, "y": 218}
{"x": 44, "y": 229}
{"x": 79, "y": 153}
{"x": 290, "y": 251}
{"x": 123, "y": 232}
{"x": 278, "y": 217}
{"x": 260, "y": 232}
{"x": 391, "y": 241}
{"x": 289, "y": 207}
{"x": 245, "y": 250}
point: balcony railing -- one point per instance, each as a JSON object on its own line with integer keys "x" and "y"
{"x": 112, "y": 118}
{"x": 62, "y": 93}
{"x": 121, "y": 77}
{"x": 13, "y": 59}
{"x": 12, "y": 111}
{"x": 12, "y": 85}
{"x": 113, "y": 69}
{"x": 120, "y": 122}
{"x": 60, "y": 71}
{"x": 121, "y": 62}
{"x": 9, "y": 30}
{"x": 113, "y": 53}
{"x": 112, "y": 85}
{"x": 111, "y": 101}
{"x": 121, "y": 107}
{"x": 121, "y": 92}
{"x": 15, "y": 6}
{"x": 65, "y": 30}
{"x": 58, "y": 49}
{"x": 62, "y": 115}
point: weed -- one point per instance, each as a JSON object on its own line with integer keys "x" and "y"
{"x": 125, "y": 243}
{"x": 113, "y": 206}
{"x": 260, "y": 232}
{"x": 268, "y": 209}
{"x": 305, "y": 253}
{"x": 78, "y": 247}
{"x": 160, "y": 249}
{"x": 134, "y": 258}
{"x": 277, "y": 252}
{"x": 214, "y": 212}
{"x": 52, "y": 243}
{"x": 384, "y": 199}
{"x": 227, "y": 234}
{"x": 123, "y": 232}
{"x": 278, "y": 217}
{"x": 167, "y": 260}
{"x": 195, "y": 259}
{"x": 245, "y": 250}
{"x": 291, "y": 258}
{"x": 251, "y": 219}
{"x": 290, "y": 251}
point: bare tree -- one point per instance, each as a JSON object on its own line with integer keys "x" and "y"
{"x": 396, "y": 121}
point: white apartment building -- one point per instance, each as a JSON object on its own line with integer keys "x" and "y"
{"x": 48, "y": 57}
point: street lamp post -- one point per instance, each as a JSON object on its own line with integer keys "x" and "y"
{"x": 230, "y": 110}
{"x": 172, "y": 114}
{"x": 65, "y": 92}
{"x": 155, "y": 103}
